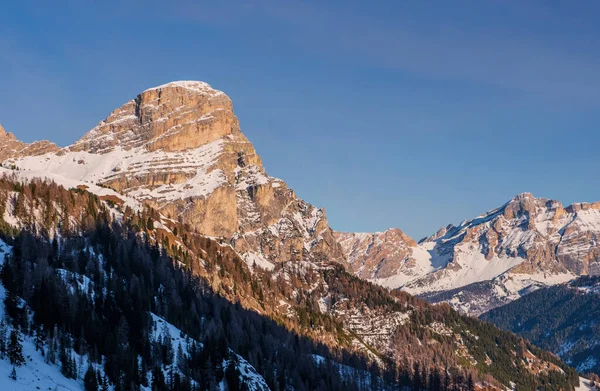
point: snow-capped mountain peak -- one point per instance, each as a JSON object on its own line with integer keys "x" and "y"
{"x": 526, "y": 243}
{"x": 178, "y": 147}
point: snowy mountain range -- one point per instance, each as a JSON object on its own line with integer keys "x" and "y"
{"x": 178, "y": 149}
{"x": 487, "y": 261}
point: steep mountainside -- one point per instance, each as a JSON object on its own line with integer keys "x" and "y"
{"x": 490, "y": 260}
{"x": 13, "y": 147}
{"x": 563, "y": 319}
{"x": 380, "y": 254}
{"x": 77, "y": 264}
{"x": 167, "y": 211}
{"x": 178, "y": 147}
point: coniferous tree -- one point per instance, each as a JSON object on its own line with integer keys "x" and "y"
{"x": 40, "y": 339}
{"x": 417, "y": 382}
{"x": 232, "y": 376}
{"x": 3, "y": 342}
{"x": 90, "y": 379}
{"x": 158, "y": 380}
{"x": 15, "y": 349}
{"x": 470, "y": 383}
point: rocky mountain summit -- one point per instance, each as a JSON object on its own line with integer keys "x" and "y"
{"x": 169, "y": 177}
{"x": 489, "y": 260}
{"x": 380, "y": 255}
{"x": 11, "y": 147}
{"x": 179, "y": 148}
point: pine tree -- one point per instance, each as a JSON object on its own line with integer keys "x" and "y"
{"x": 51, "y": 356}
{"x": 470, "y": 384}
{"x": 417, "y": 383}
{"x": 90, "y": 380}
{"x": 105, "y": 385}
{"x": 40, "y": 339}
{"x": 68, "y": 365}
{"x": 3, "y": 344}
{"x": 181, "y": 362}
{"x": 15, "y": 349}
{"x": 158, "y": 380}
{"x": 13, "y": 374}
{"x": 232, "y": 376}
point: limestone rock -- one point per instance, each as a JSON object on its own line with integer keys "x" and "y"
{"x": 527, "y": 243}
{"x": 378, "y": 255}
{"x": 11, "y": 147}
{"x": 179, "y": 148}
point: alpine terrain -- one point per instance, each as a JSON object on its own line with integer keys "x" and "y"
{"x": 561, "y": 318}
{"x": 487, "y": 261}
{"x": 156, "y": 253}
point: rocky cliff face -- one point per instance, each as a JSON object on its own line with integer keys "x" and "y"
{"x": 11, "y": 147}
{"x": 487, "y": 261}
{"x": 179, "y": 148}
{"x": 379, "y": 255}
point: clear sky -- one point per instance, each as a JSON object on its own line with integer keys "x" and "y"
{"x": 409, "y": 114}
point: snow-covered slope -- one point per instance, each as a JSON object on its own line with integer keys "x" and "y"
{"x": 489, "y": 260}
{"x": 178, "y": 147}
{"x": 36, "y": 374}
{"x": 585, "y": 385}
{"x": 561, "y": 319}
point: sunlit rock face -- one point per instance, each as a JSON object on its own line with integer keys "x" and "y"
{"x": 179, "y": 148}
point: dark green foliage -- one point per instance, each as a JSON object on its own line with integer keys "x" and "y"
{"x": 90, "y": 379}
{"x": 561, "y": 319}
{"x": 132, "y": 273}
{"x": 140, "y": 278}
{"x": 15, "y": 349}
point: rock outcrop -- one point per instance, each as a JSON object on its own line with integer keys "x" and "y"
{"x": 11, "y": 147}
{"x": 487, "y": 261}
{"x": 379, "y": 254}
{"x": 179, "y": 148}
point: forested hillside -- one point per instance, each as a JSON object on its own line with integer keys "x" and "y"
{"x": 89, "y": 279}
{"x": 562, "y": 319}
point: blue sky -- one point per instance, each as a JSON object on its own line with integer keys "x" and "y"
{"x": 409, "y": 114}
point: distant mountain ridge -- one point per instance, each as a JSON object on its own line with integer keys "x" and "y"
{"x": 526, "y": 243}
{"x": 178, "y": 147}
{"x": 171, "y": 173}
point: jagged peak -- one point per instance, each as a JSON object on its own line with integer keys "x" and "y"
{"x": 5, "y": 134}
{"x": 552, "y": 204}
{"x": 174, "y": 116}
{"x": 523, "y": 196}
{"x": 391, "y": 234}
{"x": 190, "y": 85}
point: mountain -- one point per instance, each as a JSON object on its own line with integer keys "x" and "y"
{"x": 97, "y": 283}
{"x": 164, "y": 212}
{"x": 178, "y": 147}
{"x": 13, "y": 147}
{"x": 380, "y": 255}
{"x": 490, "y": 260}
{"x": 562, "y": 319}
